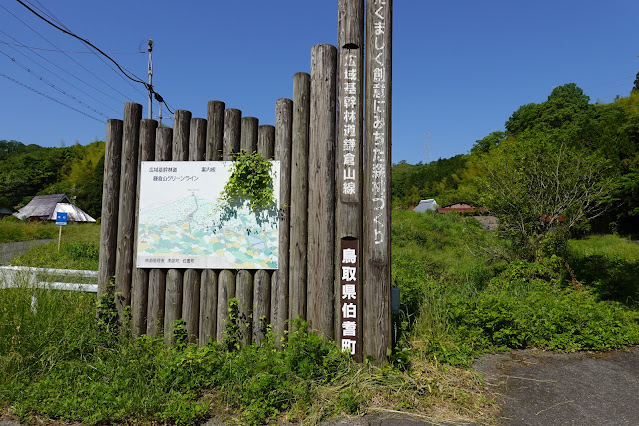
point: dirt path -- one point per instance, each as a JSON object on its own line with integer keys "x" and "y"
{"x": 543, "y": 388}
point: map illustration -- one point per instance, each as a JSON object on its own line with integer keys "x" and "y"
{"x": 184, "y": 224}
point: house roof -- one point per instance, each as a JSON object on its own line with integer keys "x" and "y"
{"x": 45, "y": 207}
{"x": 424, "y": 205}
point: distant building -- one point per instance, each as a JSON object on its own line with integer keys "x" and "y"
{"x": 5, "y": 211}
{"x": 425, "y": 205}
{"x": 461, "y": 207}
{"x": 46, "y": 207}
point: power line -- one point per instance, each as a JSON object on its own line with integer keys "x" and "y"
{"x": 66, "y": 51}
{"x": 48, "y": 96}
{"x": 72, "y": 75}
{"x": 79, "y": 64}
{"x": 52, "y": 85}
{"x": 136, "y": 79}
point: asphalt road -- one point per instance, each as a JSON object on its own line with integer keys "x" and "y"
{"x": 543, "y": 388}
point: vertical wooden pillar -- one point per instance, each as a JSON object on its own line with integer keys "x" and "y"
{"x": 174, "y": 279}
{"x": 110, "y": 204}
{"x": 197, "y": 139}
{"x": 232, "y": 128}
{"x": 244, "y": 296}
{"x": 248, "y": 134}
{"x": 191, "y": 303}
{"x": 349, "y": 161}
{"x": 262, "y": 279}
{"x": 377, "y": 203}
{"x": 299, "y": 195}
{"x": 140, "y": 285}
{"x": 126, "y": 207}
{"x": 157, "y": 277}
{"x": 321, "y": 191}
{"x": 279, "y": 278}
{"x": 226, "y": 291}
{"x": 172, "y": 304}
{"x": 214, "y": 131}
{"x": 208, "y": 306}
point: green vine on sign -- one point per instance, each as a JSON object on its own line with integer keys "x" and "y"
{"x": 250, "y": 178}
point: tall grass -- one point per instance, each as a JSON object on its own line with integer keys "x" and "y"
{"x": 466, "y": 297}
{"x": 79, "y": 249}
{"x": 12, "y": 229}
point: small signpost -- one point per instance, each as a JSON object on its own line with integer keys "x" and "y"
{"x": 60, "y": 220}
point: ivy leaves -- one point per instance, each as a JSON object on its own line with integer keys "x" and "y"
{"x": 250, "y": 178}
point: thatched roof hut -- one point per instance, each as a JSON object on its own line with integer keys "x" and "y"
{"x": 46, "y": 207}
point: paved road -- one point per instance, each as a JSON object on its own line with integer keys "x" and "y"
{"x": 565, "y": 389}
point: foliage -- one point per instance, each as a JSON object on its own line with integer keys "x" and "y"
{"x": 12, "y": 229}
{"x": 79, "y": 248}
{"x": 540, "y": 189}
{"x": 250, "y": 178}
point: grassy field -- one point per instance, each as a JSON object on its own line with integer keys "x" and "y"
{"x": 12, "y": 229}
{"x": 462, "y": 296}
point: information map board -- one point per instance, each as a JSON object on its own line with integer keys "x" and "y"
{"x": 183, "y": 223}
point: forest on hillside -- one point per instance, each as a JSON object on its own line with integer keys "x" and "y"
{"x": 29, "y": 170}
{"x": 565, "y": 145}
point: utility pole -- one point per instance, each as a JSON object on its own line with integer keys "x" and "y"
{"x": 150, "y": 49}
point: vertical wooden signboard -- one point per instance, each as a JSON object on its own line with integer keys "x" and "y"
{"x": 350, "y": 324}
{"x": 377, "y": 319}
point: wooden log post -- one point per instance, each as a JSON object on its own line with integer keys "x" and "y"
{"x": 321, "y": 191}
{"x": 232, "y": 128}
{"x": 191, "y": 303}
{"x": 262, "y": 281}
{"x": 299, "y": 195}
{"x": 377, "y": 202}
{"x": 208, "y": 306}
{"x": 348, "y": 208}
{"x": 226, "y": 292}
{"x": 197, "y": 139}
{"x": 214, "y": 131}
{"x": 244, "y": 296}
{"x": 280, "y": 278}
{"x": 126, "y": 206}
{"x": 140, "y": 284}
{"x": 174, "y": 279}
{"x": 172, "y": 304}
{"x": 157, "y": 277}
{"x": 110, "y": 204}
{"x": 248, "y": 134}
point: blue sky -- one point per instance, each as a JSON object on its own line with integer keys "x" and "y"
{"x": 460, "y": 68}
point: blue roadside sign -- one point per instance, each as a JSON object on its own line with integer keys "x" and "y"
{"x": 61, "y": 219}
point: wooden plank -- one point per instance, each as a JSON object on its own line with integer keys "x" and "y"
{"x": 299, "y": 195}
{"x": 226, "y": 291}
{"x": 232, "y": 128}
{"x": 157, "y": 277}
{"x": 377, "y": 180}
{"x": 197, "y": 139}
{"x": 248, "y": 134}
{"x": 261, "y": 305}
{"x": 280, "y": 278}
{"x": 321, "y": 191}
{"x": 244, "y": 295}
{"x": 191, "y": 304}
{"x": 208, "y": 306}
{"x": 349, "y": 154}
{"x": 110, "y": 203}
{"x": 172, "y": 304}
{"x": 214, "y": 131}
{"x": 140, "y": 284}
{"x": 155, "y": 309}
{"x": 266, "y": 141}
{"x": 126, "y": 206}
{"x": 181, "y": 130}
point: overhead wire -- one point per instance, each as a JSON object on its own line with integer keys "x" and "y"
{"x": 132, "y": 77}
{"x": 48, "y": 96}
{"x": 48, "y": 41}
{"x": 72, "y": 75}
{"x": 90, "y": 52}
{"x": 53, "y": 86}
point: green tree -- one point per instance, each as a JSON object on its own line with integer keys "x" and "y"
{"x": 540, "y": 189}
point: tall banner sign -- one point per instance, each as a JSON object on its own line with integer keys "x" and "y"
{"x": 377, "y": 276}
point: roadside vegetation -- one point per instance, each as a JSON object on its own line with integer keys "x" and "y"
{"x": 13, "y": 229}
